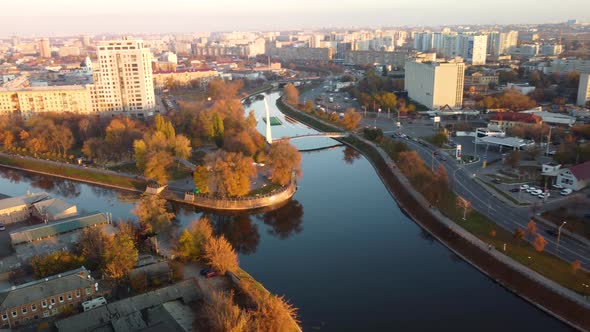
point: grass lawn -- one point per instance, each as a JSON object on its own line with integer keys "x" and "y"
{"x": 507, "y": 195}
{"x": 544, "y": 263}
{"x": 264, "y": 190}
{"x": 74, "y": 173}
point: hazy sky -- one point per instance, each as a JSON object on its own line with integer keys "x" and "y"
{"x": 49, "y": 17}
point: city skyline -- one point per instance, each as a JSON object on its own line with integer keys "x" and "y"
{"x": 66, "y": 16}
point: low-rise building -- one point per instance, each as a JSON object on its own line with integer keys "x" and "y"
{"x": 575, "y": 177}
{"x": 478, "y": 78}
{"x": 22, "y": 304}
{"x": 524, "y": 89}
{"x": 505, "y": 120}
{"x": 183, "y": 77}
{"x": 16, "y": 209}
{"x": 54, "y": 209}
{"x": 164, "y": 309}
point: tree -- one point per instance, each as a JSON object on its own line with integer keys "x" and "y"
{"x": 539, "y": 243}
{"x": 291, "y": 94}
{"x": 54, "y": 263}
{"x": 140, "y": 154}
{"x": 157, "y": 165}
{"x": 218, "y": 130}
{"x": 513, "y": 159}
{"x": 576, "y": 265}
{"x": 120, "y": 257}
{"x": 225, "y": 315}
{"x": 284, "y": 160}
{"x": 464, "y": 204}
{"x": 273, "y": 313}
{"x": 439, "y": 139}
{"x": 151, "y": 211}
{"x": 220, "y": 255}
{"x": 518, "y": 234}
{"x": 531, "y": 228}
{"x": 92, "y": 244}
{"x": 351, "y": 119}
{"x": 191, "y": 243}
{"x": 228, "y": 173}
{"x": 182, "y": 147}
{"x": 201, "y": 177}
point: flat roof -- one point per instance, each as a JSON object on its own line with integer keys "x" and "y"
{"x": 514, "y": 142}
{"x": 26, "y": 200}
{"x": 46, "y": 88}
{"x": 35, "y": 232}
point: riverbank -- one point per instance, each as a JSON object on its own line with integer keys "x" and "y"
{"x": 515, "y": 277}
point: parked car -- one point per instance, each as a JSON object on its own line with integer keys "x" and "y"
{"x": 544, "y": 195}
{"x": 566, "y": 192}
{"x": 205, "y": 271}
{"x": 524, "y": 187}
{"x": 536, "y": 192}
{"x": 530, "y": 189}
{"x": 2, "y": 227}
{"x": 497, "y": 181}
{"x": 514, "y": 190}
{"x": 211, "y": 274}
{"x": 557, "y": 186}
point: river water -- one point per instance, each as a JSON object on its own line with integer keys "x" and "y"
{"x": 341, "y": 251}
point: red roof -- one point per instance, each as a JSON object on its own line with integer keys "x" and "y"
{"x": 581, "y": 171}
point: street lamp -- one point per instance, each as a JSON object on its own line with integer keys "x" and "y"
{"x": 559, "y": 234}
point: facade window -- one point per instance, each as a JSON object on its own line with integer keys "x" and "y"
{"x": 24, "y": 310}
{"x": 61, "y": 298}
{"x": 14, "y": 314}
{"x": 44, "y": 304}
{"x": 87, "y": 291}
{"x": 45, "y": 314}
{"x": 33, "y": 307}
{"x": 77, "y": 293}
{"x": 52, "y": 301}
{"x": 4, "y": 317}
{"x": 69, "y": 297}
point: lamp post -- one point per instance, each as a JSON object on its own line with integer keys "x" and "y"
{"x": 559, "y": 234}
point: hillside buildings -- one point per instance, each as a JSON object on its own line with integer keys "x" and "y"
{"x": 435, "y": 84}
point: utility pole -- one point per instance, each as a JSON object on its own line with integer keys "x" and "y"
{"x": 548, "y": 141}
{"x": 559, "y": 235}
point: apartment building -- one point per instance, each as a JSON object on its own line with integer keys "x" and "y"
{"x": 26, "y": 303}
{"x": 501, "y": 42}
{"x": 583, "y": 89}
{"x": 31, "y": 100}
{"x": 472, "y": 48}
{"x": 396, "y": 59}
{"x": 123, "y": 80}
{"x": 435, "y": 84}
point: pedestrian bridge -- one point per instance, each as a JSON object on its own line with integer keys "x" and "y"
{"x": 324, "y": 134}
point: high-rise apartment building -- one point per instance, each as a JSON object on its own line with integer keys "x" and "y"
{"x": 423, "y": 41}
{"x": 435, "y": 84}
{"x": 123, "y": 77}
{"x": 44, "y": 48}
{"x": 85, "y": 40}
{"x": 472, "y": 48}
{"x": 502, "y": 42}
{"x": 584, "y": 89}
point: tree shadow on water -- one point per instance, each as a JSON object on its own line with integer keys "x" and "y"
{"x": 285, "y": 221}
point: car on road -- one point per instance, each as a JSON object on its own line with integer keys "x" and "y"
{"x": 524, "y": 187}
{"x": 565, "y": 192}
{"x": 443, "y": 158}
{"x": 514, "y": 190}
{"x": 536, "y": 192}
{"x": 496, "y": 181}
{"x": 544, "y": 195}
{"x": 211, "y": 274}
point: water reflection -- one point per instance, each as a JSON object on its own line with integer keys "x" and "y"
{"x": 350, "y": 155}
{"x": 67, "y": 189}
{"x": 285, "y": 221}
{"x": 240, "y": 231}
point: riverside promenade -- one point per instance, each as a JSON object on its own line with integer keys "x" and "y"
{"x": 560, "y": 302}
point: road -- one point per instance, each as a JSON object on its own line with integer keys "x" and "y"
{"x": 463, "y": 180}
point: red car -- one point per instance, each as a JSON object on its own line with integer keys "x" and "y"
{"x": 211, "y": 274}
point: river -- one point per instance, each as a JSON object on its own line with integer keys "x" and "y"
{"x": 341, "y": 251}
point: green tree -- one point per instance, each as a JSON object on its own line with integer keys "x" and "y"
{"x": 218, "y": 130}
{"x": 151, "y": 211}
{"x": 191, "y": 243}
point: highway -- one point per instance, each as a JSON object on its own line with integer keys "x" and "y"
{"x": 462, "y": 178}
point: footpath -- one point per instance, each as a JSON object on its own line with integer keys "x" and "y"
{"x": 562, "y": 303}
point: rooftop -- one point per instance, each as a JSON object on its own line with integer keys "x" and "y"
{"x": 44, "y": 288}
{"x": 581, "y": 171}
{"x": 46, "y": 88}
{"x": 53, "y": 206}
{"x": 22, "y": 200}
{"x": 31, "y": 233}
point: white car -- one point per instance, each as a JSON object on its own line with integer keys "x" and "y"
{"x": 544, "y": 195}
{"x": 536, "y": 192}
{"x": 524, "y": 187}
{"x": 557, "y": 186}
{"x": 531, "y": 189}
{"x": 566, "y": 192}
